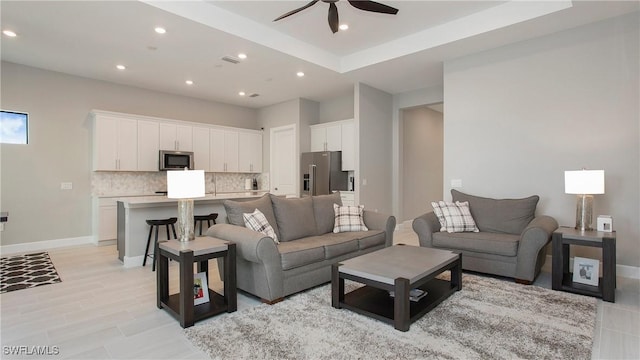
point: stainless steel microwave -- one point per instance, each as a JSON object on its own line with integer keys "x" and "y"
{"x": 176, "y": 160}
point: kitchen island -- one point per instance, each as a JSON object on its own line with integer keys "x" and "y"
{"x": 133, "y": 212}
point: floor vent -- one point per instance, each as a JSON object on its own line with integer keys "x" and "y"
{"x": 231, "y": 59}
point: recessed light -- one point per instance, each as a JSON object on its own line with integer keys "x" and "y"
{"x": 160, "y": 30}
{"x": 300, "y": 74}
{"x": 120, "y": 67}
{"x": 344, "y": 27}
{"x": 9, "y": 33}
{"x": 242, "y": 56}
{"x": 189, "y": 82}
{"x": 241, "y": 93}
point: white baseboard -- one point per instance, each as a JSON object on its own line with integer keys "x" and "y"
{"x": 45, "y": 245}
{"x": 133, "y": 261}
{"x": 632, "y": 272}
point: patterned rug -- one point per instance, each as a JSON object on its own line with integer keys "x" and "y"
{"x": 488, "y": 319}
{"x": 26, "y": 271}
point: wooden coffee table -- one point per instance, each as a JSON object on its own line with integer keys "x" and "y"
{"x": 400, "y": 269}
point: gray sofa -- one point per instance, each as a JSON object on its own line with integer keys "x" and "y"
{"x": 308, "y": 247}
{"x": 511, "y": 241}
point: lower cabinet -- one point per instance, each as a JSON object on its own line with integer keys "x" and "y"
{"x": 106, "y": 221}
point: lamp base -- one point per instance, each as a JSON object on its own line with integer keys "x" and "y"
{"x": 186, "y": 231}
{"x": 584, "y": 213}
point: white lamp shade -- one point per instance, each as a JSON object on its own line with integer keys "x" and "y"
{"x": 586, "y": 182}
{"x": 187, "y": 184}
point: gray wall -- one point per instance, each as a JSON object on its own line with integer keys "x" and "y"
{"x": 422, "y": 149}
{"x": 338, "y": 108}
{"x": 60, "y": 145}
{"x": 373, "y": 119}
{"x": 518, "y": 116}
{"x": 273, "y": 116}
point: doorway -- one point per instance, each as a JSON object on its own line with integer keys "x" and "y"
{"x": 422, "y": 146}
{"x": 283, "y": 160}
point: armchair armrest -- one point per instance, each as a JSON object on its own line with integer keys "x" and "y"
{"x": 250, "y": 245}
{"x": 532, "y": 241}
{"x": 377, "y": 221}
{"x": 425, "y": 225}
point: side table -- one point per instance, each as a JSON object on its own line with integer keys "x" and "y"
{"x": 181, "y": 305}
{"x": 562, "y": 277}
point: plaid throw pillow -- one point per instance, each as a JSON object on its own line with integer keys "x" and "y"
{"x": 348, "y": 218}
{"x": 438, "y": 212}
{"x": 256, "y": 221}
{"x": 457, "y": 217}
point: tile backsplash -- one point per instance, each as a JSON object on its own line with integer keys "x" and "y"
{"x": 106, "y": 183}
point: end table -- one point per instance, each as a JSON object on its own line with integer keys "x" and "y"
{"x": 181, "y": 305}
{"x": 562, "y": 278}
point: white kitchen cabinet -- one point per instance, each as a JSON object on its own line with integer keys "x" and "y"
{"x": 176, "y": 137}
{"x": 326, "y": 137}
{"x": 223, "y": 150}
{"x": 201, "y": 150}
{"x": 115, "y": 143}
{"x": 348, "y": 198}
{"x": 249, "y": 152}
{"x": 107, "y": 220}
{"x": 148, "y": 145}
{"x": 348, "y": 145}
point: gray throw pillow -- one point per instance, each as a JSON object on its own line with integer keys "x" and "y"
{"x": 235, "y": 209}
{"x": 294, "y": 217}
{"x": 508, "y": 216}
{"x": 323, "y": 211}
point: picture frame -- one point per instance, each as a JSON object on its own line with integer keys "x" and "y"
{"x": 200, "y": 288}
{"x": 586, "y": 271}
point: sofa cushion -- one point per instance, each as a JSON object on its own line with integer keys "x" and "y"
{"x": 482, "y": 242}
{"x": 301, "y": 252}
{"x": 371, "y": 238}
{"x": 294, "y": 217}
{"x": 508, "y": 216}
{"x": 256, "y": 221}
{"x": 457, "y": 217}
{"x": 323, "y": 211}
{"x": 348, "y": 218}
{"x": 235, "y": 209}
{"x": 335, "y": 244}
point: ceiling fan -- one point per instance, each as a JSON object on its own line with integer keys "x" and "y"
{"x": 365, "y": 5}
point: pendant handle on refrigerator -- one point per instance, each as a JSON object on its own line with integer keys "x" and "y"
{"x": 312, "y": 179}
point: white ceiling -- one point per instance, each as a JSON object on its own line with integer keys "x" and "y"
{"x": 393, "y": 53}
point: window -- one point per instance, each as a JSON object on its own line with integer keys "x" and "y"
{"x": 14, "y": 127}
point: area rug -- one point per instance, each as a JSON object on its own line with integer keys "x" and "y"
{"x": 488, "y": 319}
{"x": 26, "y": 271}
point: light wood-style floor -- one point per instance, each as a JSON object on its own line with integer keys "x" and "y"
{"x": 101, "y": 310}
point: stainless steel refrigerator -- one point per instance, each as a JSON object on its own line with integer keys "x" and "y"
{"x": 322, "y": 173}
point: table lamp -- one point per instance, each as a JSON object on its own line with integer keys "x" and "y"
{"x": 584, "y": 183}
{"x": 185, "y": 186}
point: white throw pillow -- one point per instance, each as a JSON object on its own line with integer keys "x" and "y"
{"x": 457, "y": 217}
{"x": 256, "y": 221}
{"x": 348, "y": 218}
{"x": 438, "y": 212}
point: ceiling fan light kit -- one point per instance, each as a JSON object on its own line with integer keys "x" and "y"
{"x": 334, "y": 22}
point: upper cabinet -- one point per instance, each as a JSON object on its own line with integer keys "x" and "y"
{"x": 250, "y": 152}
{"x": 336, "y": 136}
{"x": 176, "y": 137}
{"x": 125, "y": 142}
{"x": 114, "y": 143}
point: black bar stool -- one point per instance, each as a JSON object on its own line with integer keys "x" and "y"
{"x": 156, "y": 224}
{"x": 199, "y": 219}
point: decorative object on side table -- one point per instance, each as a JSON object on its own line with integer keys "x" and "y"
{"x": 585, "y": 184}
{"x": 585, "y": 271}
{"x": 605, "y": 223}
{"x": 185, "y": 186}
{"x": 200, "y": 287}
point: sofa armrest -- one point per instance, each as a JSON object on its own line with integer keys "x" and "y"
{"x": 532, "y": 241}
{"x": 250, "y": 245}
{"x": 378, "y": 221}
{"x": 425, "y": 225}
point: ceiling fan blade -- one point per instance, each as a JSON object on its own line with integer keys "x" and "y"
{"x": 333, "y": 17}
{"x": 373, "y": 6}
{"x": 296, "y": 10}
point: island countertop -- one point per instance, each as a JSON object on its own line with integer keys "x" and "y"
{"x": 163, "y": 200}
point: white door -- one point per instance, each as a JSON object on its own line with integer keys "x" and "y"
{"x": 284, "y": 160}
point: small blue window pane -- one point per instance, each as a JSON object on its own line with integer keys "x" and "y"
{"x": 13, "y": 127}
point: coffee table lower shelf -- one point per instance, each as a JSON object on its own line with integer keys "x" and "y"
{"x": 215, "y": 306}
{"x": 378, "y": 304}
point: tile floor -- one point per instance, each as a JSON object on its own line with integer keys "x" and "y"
{"x": 104, "y": 311}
